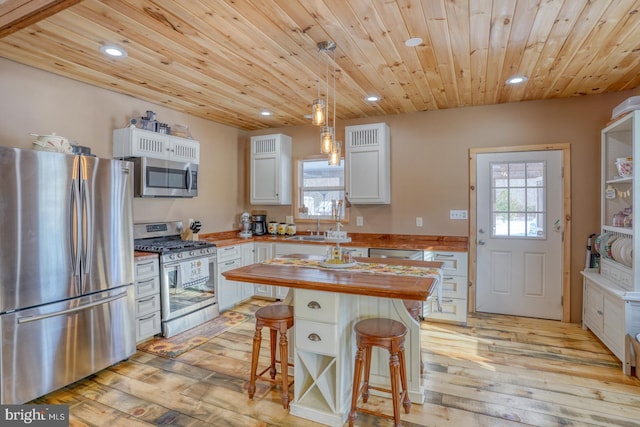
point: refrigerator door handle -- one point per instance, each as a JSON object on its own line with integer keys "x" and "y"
{"x": 74, "y": 225}
{"x": 87, "y": 226}
{"x": 74, "y": 309}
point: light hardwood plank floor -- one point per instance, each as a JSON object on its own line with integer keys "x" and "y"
{"x": 496, "y": 371}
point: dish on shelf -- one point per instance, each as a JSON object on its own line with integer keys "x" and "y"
{"x": 626, "y": 253}
{"x": 616, "y": 250}
{"x": 624, "y": 166}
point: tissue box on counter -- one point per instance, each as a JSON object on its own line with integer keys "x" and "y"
{"x": 629, "y": 104}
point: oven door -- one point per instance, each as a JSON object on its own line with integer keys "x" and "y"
{"x": 164, "y": 178}
{"x": 184, "y": 290}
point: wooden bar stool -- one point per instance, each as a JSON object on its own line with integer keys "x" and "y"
{"x": 414, "y": 308}
{"x": 389, "y": 334}
{"x": 278, "y": 318}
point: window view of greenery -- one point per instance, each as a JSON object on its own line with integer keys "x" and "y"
{"x": 518, "y": 199}
{"x": 319, "y": 185}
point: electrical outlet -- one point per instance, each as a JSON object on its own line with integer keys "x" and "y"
{"x": 458, "y": 214}
{"x": 418, "y": 221}
{"x": 359, "y": 221}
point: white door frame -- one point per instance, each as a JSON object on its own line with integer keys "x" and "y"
{"x": 566, "y": 244}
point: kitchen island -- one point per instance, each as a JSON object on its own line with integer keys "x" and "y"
{"x": 327, "y": 303}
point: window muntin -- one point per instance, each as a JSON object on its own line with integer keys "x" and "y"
{"x": 518, "y": 195}
{"x": 318, "y": 185}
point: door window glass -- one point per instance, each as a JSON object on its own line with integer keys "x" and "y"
{"x": 518, "y": 199}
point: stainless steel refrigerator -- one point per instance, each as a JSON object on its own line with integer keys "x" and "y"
{"x": 66, "y": 269}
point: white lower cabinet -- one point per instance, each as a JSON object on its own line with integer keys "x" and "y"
{"x": 455, "y": 285}
{"x": 262, "y": 252}
{"x": 147, "y": 298}
{"x": 610, "y": 315}
{"x": 323, "y": 375}
{"x": 230, "y": 293}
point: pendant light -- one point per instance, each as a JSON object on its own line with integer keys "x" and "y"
{"x": 335, "y": 155}
{"x": 320, "y": 108}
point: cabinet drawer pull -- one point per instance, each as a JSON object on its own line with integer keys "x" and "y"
{"x": 314, "y": 305}
{"x": 147, "y": 299}
{"x": 447, "y": 300}
{"x": 140, "y": 282}
{"x": 145, "y": 263}
{"x": 230, "y": 248}
{"x": 149, "y": 317}
{"x": 599, "y": 312}
{"x": 314, "y": 337}
{"x": 448, "y": 278}
{"x": 229, "y": 263}
{"x": 444, "y": 256}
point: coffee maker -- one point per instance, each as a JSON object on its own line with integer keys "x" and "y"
{"x": 259, "y": 224}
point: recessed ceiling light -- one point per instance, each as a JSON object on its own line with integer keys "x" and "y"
{"x": 413, "y": 42}
{"x": 265, "y": 113}
{"x": 372, "y": 98}
{"x": 113, "y": 51}
{"x": 515, "y": 80}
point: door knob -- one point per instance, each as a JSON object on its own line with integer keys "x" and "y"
{"x": 481, "y": 242}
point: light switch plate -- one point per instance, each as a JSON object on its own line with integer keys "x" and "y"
{"x": 418, "y": 221}
{"x": 458, "y": 214}
{"x": 359, "y": 221}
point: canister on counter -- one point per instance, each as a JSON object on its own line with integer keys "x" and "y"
{"x": 291, "y": 229}
{"x": 282, "y": 228}
{"x": 272, "y": 227}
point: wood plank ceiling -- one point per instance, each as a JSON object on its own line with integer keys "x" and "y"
{"x": 226, "y": 60}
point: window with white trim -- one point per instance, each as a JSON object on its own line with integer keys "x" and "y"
{"x": 319, "y": 185}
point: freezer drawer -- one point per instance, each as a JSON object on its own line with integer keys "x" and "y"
{"x": 48, "y": 347}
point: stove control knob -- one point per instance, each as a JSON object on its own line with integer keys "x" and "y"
{"x": 179, "y": 255}
{"x": 191, "y": 253}
{"x": 172, "y": 256}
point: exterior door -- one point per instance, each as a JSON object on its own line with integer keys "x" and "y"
{"x": 519, "y": 233}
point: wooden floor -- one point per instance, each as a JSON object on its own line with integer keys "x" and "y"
{"x": 497, "y": 371}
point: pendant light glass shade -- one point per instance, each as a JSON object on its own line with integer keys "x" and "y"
{"x": 326, "y": 139}
{"x": 334, "y": 156}
{"x": 318, "y": 112}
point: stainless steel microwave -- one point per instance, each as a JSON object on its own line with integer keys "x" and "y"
{"x": 164, "y": 178}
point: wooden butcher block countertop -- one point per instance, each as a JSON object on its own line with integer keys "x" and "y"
{"x": 341, "y": 280}
{"x": 366, "y": 240}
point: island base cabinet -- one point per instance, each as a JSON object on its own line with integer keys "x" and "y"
{"x": 325, "y": 351}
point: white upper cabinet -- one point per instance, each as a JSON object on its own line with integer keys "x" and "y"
{"x": 271, "y": 170}
{"x": 134, "y": 142}
{"x": 368, "y": 164}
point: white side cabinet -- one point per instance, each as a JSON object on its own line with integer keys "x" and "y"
{"x": 228, "y": 258}
{"x": 147, "y": 297}
{"x": 368, "y": 164}
{"x": 134, "y": 142}
{"x": 454, "y": 288}
{"x": 271, "y": 170}
{"x": 611, "y": 295}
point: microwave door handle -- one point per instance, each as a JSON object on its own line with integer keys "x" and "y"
{"x": 189, "y": 179}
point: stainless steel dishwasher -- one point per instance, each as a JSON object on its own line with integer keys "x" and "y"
{"x": 396, "y": 253}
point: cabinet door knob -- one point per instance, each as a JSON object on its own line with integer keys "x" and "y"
{"x": 314, "y": 305}
{"x": 314, "y": 337}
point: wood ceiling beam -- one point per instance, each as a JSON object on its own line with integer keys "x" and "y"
{"x": 18, "y": 14}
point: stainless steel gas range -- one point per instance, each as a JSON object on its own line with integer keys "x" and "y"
{"x": 187, "y": 275}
